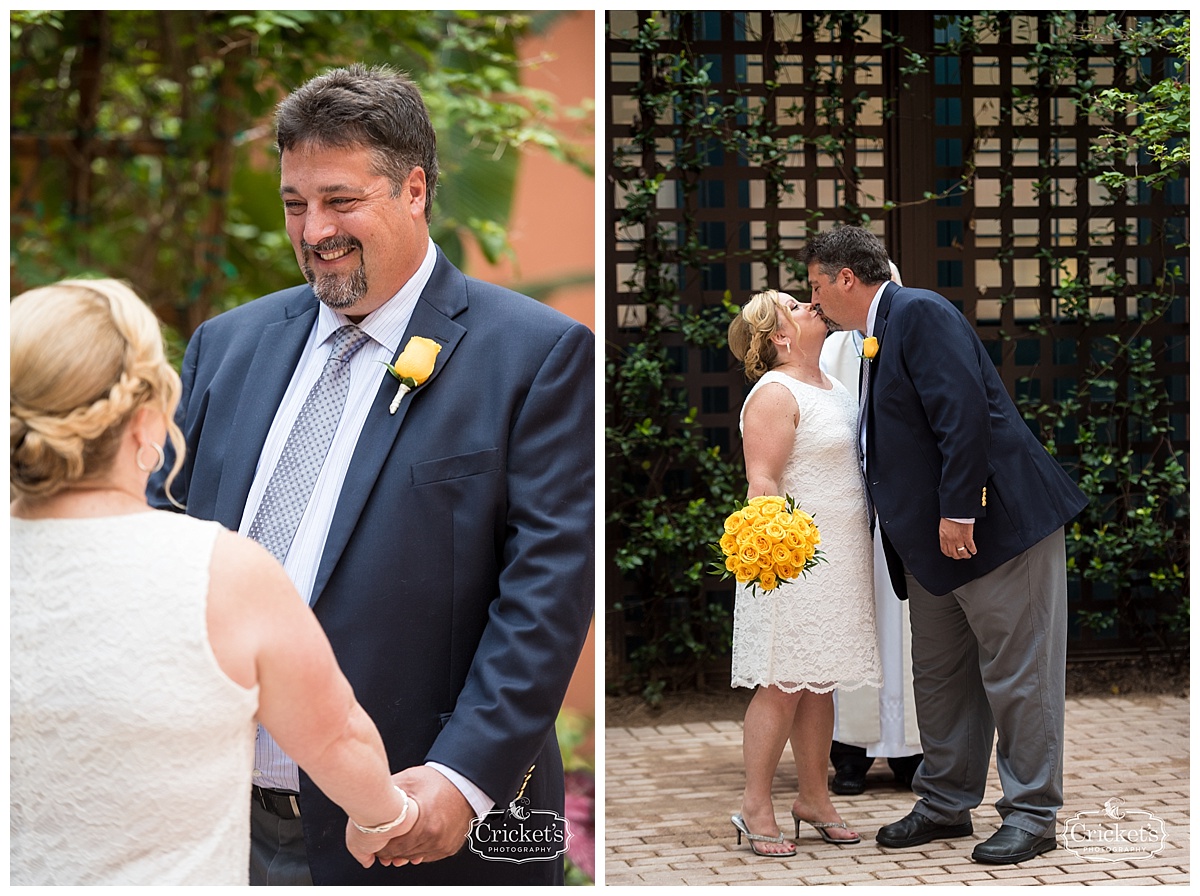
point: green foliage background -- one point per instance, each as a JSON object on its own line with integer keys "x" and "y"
{"x": 175, "y": 110}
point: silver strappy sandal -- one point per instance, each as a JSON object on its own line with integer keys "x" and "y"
{"x": 740, "y": 824}
{"x": 821, "y": 826}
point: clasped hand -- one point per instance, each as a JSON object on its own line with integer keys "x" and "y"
{"x": 440, "y": 830}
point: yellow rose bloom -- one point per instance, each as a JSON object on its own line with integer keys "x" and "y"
{"x": 417, "y": 360}
{"x": 767, "y": 581}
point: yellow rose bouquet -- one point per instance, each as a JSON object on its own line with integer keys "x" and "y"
{"x": 767, "y": 542}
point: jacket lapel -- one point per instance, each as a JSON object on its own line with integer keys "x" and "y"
{"x": 867, "y": 413}
{"x": 443, "y": 298}
{"x": 882, "y": 312}
{"x": 878, "y": 330}
{"x": 275, "y": 358}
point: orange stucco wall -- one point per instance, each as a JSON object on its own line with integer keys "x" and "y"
{"x": 552, "y": 229}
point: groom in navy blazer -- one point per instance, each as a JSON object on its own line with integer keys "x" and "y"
{"x": 972, "y": 509}
{"x": 455, "y": 580}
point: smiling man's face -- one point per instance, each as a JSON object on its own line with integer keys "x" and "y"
{"x": 355, "y": 241}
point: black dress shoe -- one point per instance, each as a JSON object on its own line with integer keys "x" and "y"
{"x": 904, "y": 768}
{"x": 1010, "y": 845}
{"x": 915, "y": 829}
{"x": 848, "y": 782}
{"x": 850, "y": 767}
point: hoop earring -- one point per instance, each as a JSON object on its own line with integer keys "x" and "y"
{"x": 159, "y": 460}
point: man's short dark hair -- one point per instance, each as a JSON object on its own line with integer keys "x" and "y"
{"x": 374, "y": 108}
{"x": 849, "y": 247}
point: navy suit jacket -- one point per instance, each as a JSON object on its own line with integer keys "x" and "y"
{"x": 944, "y": 439}
{"x": 456, "y": 585}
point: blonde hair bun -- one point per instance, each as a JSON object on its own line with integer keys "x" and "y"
{"x": 751, "y": 330}
{"x": 84, "y": 356}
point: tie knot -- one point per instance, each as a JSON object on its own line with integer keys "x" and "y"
{"x": 346, "y": 341}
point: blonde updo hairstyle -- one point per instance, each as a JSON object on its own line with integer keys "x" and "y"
{"x": 85, "y": 355}
{"x": 751, "y": 330}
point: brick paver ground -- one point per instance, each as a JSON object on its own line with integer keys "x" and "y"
{"x": 669, "y": 792}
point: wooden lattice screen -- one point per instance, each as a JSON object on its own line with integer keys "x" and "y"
{"x": 1030, "y": 218}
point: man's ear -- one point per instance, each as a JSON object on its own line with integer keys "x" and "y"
{"x": 417, "y": 191}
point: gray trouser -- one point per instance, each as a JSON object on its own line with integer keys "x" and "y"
{"x": 277, "y": 854}
{"x": 990, "y": 659}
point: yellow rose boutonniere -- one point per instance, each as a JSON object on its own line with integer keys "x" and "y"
{"x": 413, "y": 366}
{"x": 870, "y": 347}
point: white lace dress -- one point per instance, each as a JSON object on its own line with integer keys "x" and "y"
{"x": 818, "y": 631}
{"x": 131, "y": 750}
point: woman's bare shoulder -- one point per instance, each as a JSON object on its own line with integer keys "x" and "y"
{"x": 245, "y": 571}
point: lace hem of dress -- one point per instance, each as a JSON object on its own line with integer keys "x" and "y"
{"x": 816, "y": 688}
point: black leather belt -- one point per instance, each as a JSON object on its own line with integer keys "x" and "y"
{"x": 278, "y": 802}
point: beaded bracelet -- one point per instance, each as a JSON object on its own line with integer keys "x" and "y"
{"x": 384, "y": 828}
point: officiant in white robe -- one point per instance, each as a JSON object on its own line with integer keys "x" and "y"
{"x": 874, "y": 723}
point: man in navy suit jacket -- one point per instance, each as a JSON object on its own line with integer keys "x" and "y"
{"x": 971, "y": 509}
{"x": 448, "y": 547}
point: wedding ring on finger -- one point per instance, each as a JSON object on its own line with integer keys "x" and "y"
{"x": 962, "y": 548}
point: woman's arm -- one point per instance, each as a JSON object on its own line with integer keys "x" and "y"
{"x": 262, "y": 633}
{"x": 768, "y": 430}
